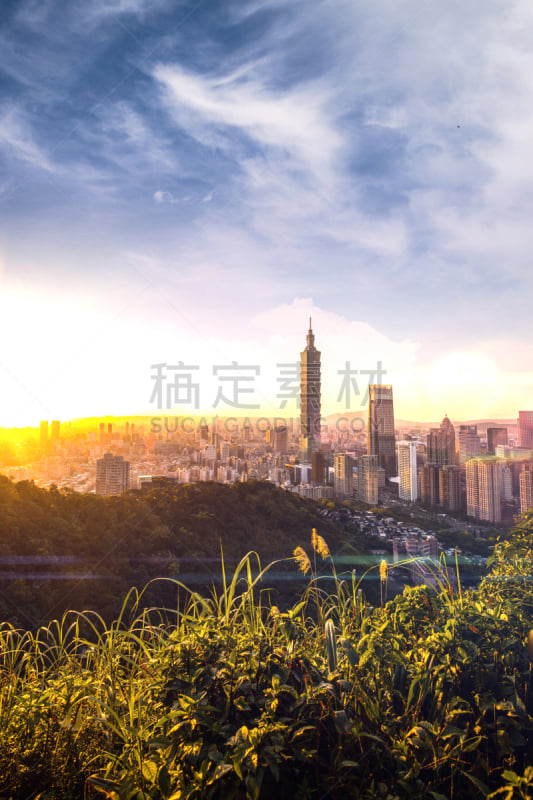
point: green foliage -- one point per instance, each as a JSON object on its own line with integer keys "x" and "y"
{"x": 67, "y": 550}
{"x": 429, "y": 696}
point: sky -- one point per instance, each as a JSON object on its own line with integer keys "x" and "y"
{"x": 187, "y": 182}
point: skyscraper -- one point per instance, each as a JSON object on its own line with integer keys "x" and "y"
{"x": 381, "y": 437}
{"x": 343, "y": 476}
{"x": 56, "y": 430}
{"x": 280, "y": 439}
{"x": 450, "y": 487}
{"x": 408, "y": 488}
{"x": 367, "y": 479}
{"x": 526, "y": 489}
{"x": 525, "y": 429}
{"x": 441, "y": 444}
{"x": 469, "y": 442}
{"x": 318, "y": 467}
{"x": 429, "y": 484}
{"x": 484, "y": 489}
{"x": 309, "y": 398}
{"x": 496, "y": 436}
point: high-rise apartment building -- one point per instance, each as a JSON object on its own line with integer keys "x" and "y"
{"x": 469, "y": 443}
{"x": 525, "y": 429}
{"x": 496, "y": 436}
{"x": 484, "y": 489}
{"x": 407, "y": 472}
{"x": 526, "y": 488}
{"x": 429, "y": 484}
{"x": 450, "y": 488}
{"x": 343, "y": 479}
{"x": 381, "y": 436}
{"x": 112, "y": 475}
{"x": 441, "y": 443}
{"x": 309, "y": 398}
{"x": 368, "y": 479}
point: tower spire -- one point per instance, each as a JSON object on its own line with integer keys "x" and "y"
{"x": 310, "y": 337}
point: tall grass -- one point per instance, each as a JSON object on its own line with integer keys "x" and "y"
{"x": 227, "y": 696}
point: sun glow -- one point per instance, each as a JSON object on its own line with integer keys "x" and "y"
{"x": 465, "y": 384}
{"x": 50, "y": 356}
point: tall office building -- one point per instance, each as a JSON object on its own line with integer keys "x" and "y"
{"x": 309, "y": 398}
{"x": 280, "y": 439}
{"x": 367, "y": 479}
{"x": 525, "y": 429}
{"x": 343, "y": 479}
{"x": 112, "y": 475}
{"x": 318, "y": 468}
{"x": 407, "y": 473}
{"x": 450, "y": 487}
{"x": 441, "y": 443}
{"x": 469, "y": 443}
{"x": 526, "y": 488}
{"x": 56, "y": 430}
{"x": 381, "y": 437}
{"x": 496, "y": 436}
{"x": 484, "y": 489}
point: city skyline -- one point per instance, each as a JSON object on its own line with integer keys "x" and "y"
{"x": 317, "y": 458}
{"x": 190, "y": 183}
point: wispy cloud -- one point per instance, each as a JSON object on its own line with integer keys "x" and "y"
{"x": 165, "y": 197}
{"x": 16, "y": 138}
{"x": 293, "y": 121}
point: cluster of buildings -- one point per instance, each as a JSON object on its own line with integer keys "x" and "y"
{"x": 485, "y": 473}
{"x": 454, "y": 470}
{"x": 487, "y": 477}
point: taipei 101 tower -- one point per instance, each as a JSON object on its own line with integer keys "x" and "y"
{"x": 309, "y": 398}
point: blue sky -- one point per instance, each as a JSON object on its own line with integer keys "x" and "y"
{"x": 189, "y": 180}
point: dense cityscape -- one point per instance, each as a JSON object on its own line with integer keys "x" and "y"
{"x": 482, "y": 471}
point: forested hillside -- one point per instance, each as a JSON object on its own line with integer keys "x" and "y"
{"x": 61, "y": 550}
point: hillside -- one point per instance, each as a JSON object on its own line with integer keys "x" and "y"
{"x": 61, "y": 549}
